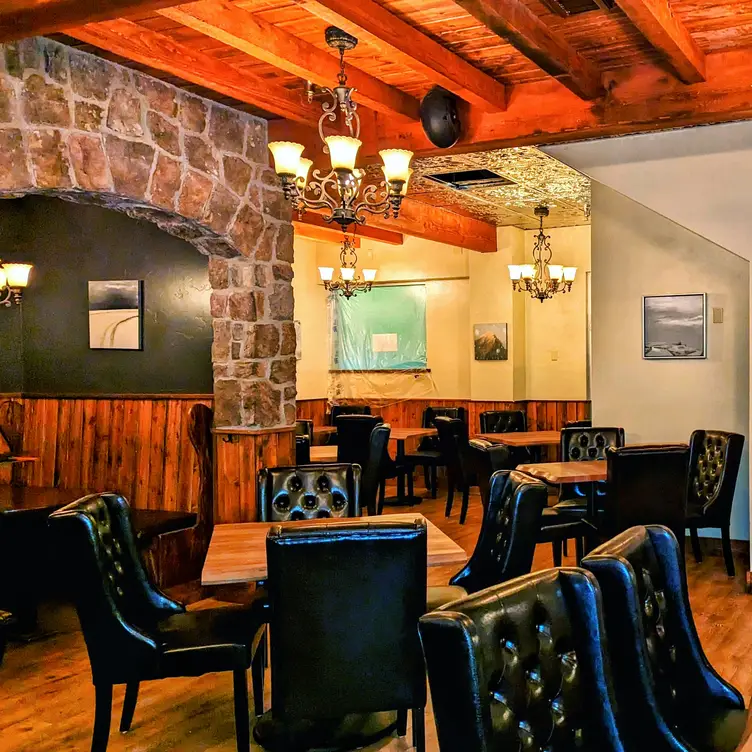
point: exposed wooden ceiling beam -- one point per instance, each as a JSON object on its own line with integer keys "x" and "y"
{"x": 639, "y": 99}
{"x": 373, "y": 23}
{"x": 236, "y": 27}
{"x": 130, "y": 40}
{"x": 516, "y": 23}
{"x": 312, "y": 225}
{"x": 28, "y": 18}
{"x": 656, "y": 21}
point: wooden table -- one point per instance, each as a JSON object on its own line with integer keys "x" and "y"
{"x": 325, "y": 453}
{"x": 322, "y": 432}
{"x": 557, "y": 473}
{"x": 523, "y": 438}
{"x": 237, "y": 552}
{"x": 14, "y": 459}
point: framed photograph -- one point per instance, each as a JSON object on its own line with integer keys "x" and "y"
{"x": 490, "y": 341}
{"x": 674, "y": 326}
{"x": 115, "y": 315}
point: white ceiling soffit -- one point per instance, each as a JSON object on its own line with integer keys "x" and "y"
{"x": 701, "y": 178}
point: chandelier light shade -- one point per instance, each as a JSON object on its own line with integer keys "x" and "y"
{"x": 349, "y": 283}
{"x": 14, "y": 279}
{"x": 542, "y": 279}
{"x": 340, "y": 194}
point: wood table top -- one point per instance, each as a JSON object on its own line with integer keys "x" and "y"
{"x": 523, "y": 438}
{"x": 402, "y": 434}
{"x": 13, "y": 459}
{"x": 325, "y": 453}
{"x": 567, "y": 472}
{"x": 237, "y": 552}
{"x": 324, "y": 430}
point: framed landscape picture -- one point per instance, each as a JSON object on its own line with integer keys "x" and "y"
{"x": 674, "y": 326}
{"x": 115, "y": 315}
{"x": 490, "y": 341}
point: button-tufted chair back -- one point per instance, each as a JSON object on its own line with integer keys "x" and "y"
{"x": 304, "y": 428}
{"x": 647, "y": 485}
{"x": 483, "y": 460}
{"x": 714, "y": 459}
{"x": 503, "y": 421}
{"x": 521, "y": 667}
{"x": 508, "y": 534}
{"x": 354, "y": 437}
{"x": 433, "y": 412}
{"x": 661, "y": 675}
{"x": 587, "y": 423}
{"x": 345, "y": 602}
{"x": 338, "y": 410}
{"x": 583, "y": 444}
{"x": 372, "y": 472}
{"x": 308, "y": 492}
{"x": 116, "y": 603}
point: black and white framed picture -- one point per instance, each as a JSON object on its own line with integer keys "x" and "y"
{"x": 115, "y": 315}
{"x": 674, "y": 326}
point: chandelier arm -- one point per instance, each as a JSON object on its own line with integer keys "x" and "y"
{"x": 329, "y": 113}
{"x": 6, "y": 295}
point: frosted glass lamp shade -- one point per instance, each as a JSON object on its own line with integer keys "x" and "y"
{"x": 286, "y": 157}
{"x": 304, "y": 167}
{"x": 326, "y": 273}
{"x": 2, "y": 278}
{"x": 403, "y": 192}
{"x": 527, "y": 271}
{"x": 347, "y": 273}
{"x": 555, "y": 272}
{"x": 17, "y": 275}
{"x": 369, "y": 275}
{"x": 343, "y": 150}
{"x": 570, "y": 272}
{"x": 396, "y": 164}
{"x": 515, "y": 272}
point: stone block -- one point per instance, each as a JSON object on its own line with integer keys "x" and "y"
{"x": 267, "y": 242}
{"x": 192, "y": 113}
{"x": 290, "y": 392}
{"x": 227, "y": 130}
{"x": 290, "y": 414}
{"x": 7, "y": 102}
{"x": 262, "y": 341}
{"x": 88, "y": 116}
{"x": 166, "y": 135}
{"x": 285, "y": 250}
{"x": 124, "y": 113}
{"x": 49, "y": 159}
{"x": 221, "y": 342}
{"x": 218, "y": 304}
{"x": 283, "y": 272}
{"x": 165, "y": 181}
{"x": 281, "y": 302}
{"x": 242, "y": 306}
{"x": 227, "y": 402}
{"x": 288, "y": 338}
{"x": 221, "y": 210}
{"x": 262, "y": 275}
{"x": 218, "y": 273}
{"x": 56, "y": 61}
{"x": 159, "y": 96}
{"x": 200, "y": 156}
{"x": 261, "y": 404}
{"x": 237, "y": 174}
{"x": 246, "y": 230}
{"x": 195, "y": 193}
{"x": 89, "y": 162}
{"x": 91, "y": 77}
{"x": 14, "y": 172}
{"x": 45, "y": 104}
{"x": 250, "y": 369}
{"x": 256, "y": 143}
{"x": 130, "y": 165}
{"x": 283, "y": 370}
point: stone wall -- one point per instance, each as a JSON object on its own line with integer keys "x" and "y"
{"x": 86, "y": 130}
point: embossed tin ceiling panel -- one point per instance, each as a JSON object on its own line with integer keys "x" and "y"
{"x": 535, "y": 179}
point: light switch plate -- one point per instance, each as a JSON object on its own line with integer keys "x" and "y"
{"x": 554, "y": 354}
{"x": 718, "y": 315}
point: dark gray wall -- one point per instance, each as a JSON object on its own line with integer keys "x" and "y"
{"x": 46, "y": 343}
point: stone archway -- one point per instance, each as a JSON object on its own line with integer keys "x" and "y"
{"x": 86, "y": 130}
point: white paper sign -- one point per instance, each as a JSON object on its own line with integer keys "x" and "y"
{"x": 384, "y": 343}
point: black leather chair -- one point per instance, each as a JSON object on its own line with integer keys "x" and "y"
{"x": 507, "y": 421}
{"x": 373, "y": 485}
{"x": 521, "y": 666}
{"x": 582, "y": 443}
{"x": 428, "y": 455}
{"x": 344, "y": 637}
{"x": 483, "y": 459}
{"x": 664, "y": 683}
{"x": 308, "y": 492}
{"x": 454, "y": 445}
{"x": 302, "y": 450}
{"x": 135, "y": 633}
{"x": 338, "y": 410}
{"x": 304, "y": 428}
{"x": 587, "y": 423}
{"x": 714, "y": 459}
{"x": 507, "y": 538}
{"x": 647, "y": 485}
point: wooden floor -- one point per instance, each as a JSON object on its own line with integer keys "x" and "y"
{"x": 47, "y": 699}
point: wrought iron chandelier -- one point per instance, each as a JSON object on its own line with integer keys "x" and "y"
{"x": 542, "y": 279}
{"x": 349, "y": 283}
{"x": 14, "y": 278}
{"x": 339, "y": 193}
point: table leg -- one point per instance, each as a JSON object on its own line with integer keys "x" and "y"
{"x": 402, "y": 499}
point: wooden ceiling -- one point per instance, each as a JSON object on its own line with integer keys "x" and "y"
{"x": 525, "y": 75}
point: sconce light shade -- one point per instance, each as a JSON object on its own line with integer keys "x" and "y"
{"x": 515, "y": 272}
{"x": 286, "y": 157}
{"x": 556, "y": 272}
{"x": 369, "y": 275}
{"x": 570, "y": 272}
{"x": 326, "y": 273}
{"x": 17, "y": 275}
{"x": 396, "y": 164}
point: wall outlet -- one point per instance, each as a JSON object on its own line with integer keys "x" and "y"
{"x": 718, "y": 315}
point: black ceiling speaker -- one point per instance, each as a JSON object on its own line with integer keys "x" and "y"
{"x": 440, "y": 118}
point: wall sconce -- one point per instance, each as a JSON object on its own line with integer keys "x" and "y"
{"x": 14, "y": 279}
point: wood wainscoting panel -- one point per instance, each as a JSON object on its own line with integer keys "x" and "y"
{"x": 238, "y": 456}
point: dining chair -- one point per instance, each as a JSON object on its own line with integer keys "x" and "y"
{"x": 662, "y": 677}
{"x": 373, "y": 484}
{"x": 507, "y": 421}
{"x": 338, "y": 410}
{"x": 714, "y": 459}
{"x": 344, "y": 604}
{"x": 583, "y": 443}
{"x": 453, "y": 441}
{"x": 428, "y": 455}
{"x": 522, "y": 666}
{"x": 308, "y": 492}
{"x": 133, "y": 632}
{"x": 647, "y": 485}
{"x": 302, "y": 450}
{"x": 483, "y": 459}
{"x": 506, "y": 541}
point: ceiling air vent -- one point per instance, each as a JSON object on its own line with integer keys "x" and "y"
{"x": 567, "y": 8}
{"x": 467, "y": 179}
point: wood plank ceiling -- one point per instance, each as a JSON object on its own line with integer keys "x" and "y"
{"x": 525, "y": 73}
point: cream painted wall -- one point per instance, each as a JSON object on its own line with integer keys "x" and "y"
{"x": 556, "y": 330}
{"x": 637, "y": 252}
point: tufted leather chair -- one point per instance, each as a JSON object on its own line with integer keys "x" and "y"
{"x": 345, "y": 637}
{"x": 647, "y": 485}
{"x": 507, "y": 421}
{"x": 507, "y": 538}
{"x": 521, "y": 666}
{"x": 133, "y": 632}
{"x": 454, "y": 445}
{"x": 579, "y": 443}
{"x": 428, "y": 456}
{"x": 587, "y": 423}
{"x": 714, "y": 459}
{"x": 664, "y": 683}
{"x": 308, "y": 492}
{"x": 483, "y": 460}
